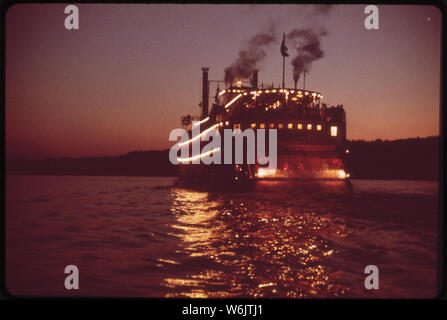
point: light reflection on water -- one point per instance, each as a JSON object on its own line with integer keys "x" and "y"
{"x": 252, "y": 245}
{"x": 144, "y": 237}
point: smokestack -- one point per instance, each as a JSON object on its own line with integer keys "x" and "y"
{"x": 205, "y": 92}
{"x": 296, "y": 82}
{"x": 254, "y": 80}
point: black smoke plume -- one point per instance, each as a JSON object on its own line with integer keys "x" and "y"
{"x": 250, "y": 57}
{"x": 308, "y": 43}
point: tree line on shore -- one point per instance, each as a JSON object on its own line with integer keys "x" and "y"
{"x": 412, "y": 159}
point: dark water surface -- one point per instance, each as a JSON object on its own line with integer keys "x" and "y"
{"x": 141, "y": 236}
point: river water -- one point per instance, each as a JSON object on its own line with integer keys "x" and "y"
{"x": 145, "y": 237}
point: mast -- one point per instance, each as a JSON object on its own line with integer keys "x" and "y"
{"x": 304, "y": 78}
{"x": 284, "y": 55}
{"x": 283, "y": 70}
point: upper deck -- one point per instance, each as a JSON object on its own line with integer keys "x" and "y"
{"x": 298, "y": 114}
{"x": 278, "y": 108}
{"x": 275, "y": 104}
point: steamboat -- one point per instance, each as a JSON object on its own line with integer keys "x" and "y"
{"x": 311, "y": 136}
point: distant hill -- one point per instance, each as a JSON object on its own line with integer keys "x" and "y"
{"x": 409, "y": 159}
{"x": 413, "y": 159}
{"x": 136, "y": 163}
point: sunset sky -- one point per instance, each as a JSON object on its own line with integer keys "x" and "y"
{"x": 121, "y": 82}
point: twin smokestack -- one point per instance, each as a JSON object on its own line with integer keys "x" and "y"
{"x": 206, "y": 89}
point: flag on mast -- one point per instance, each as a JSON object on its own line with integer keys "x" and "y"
{"x": 283, "y": 46}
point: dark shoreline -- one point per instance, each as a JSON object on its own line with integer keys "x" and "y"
{"x": 405, "y": 159}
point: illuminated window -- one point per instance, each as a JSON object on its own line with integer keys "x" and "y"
{"x": 319, "y": 127}
{"x": 309, "y": 126}
{"x": 253, "y": 125}
{"x": 290, "y": 126}
{"x": 272, "y": 125}
{"x": 300, "y": 126}
{"x": 262, "y": 126}
{"x": 237, "y": 126}
{"x": 334, "y": 131}
{"x": 280, "y": 126}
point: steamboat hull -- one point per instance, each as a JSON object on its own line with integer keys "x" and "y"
{"x": 299, "y": 165}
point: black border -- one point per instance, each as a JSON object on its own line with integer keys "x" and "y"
{"x": 167, "y": 304}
